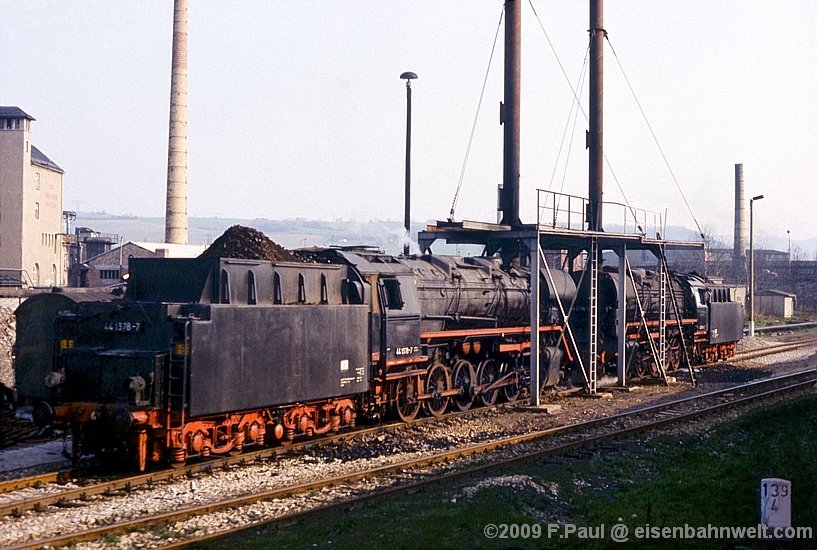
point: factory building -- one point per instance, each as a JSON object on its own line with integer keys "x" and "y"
{"x": 31, "y": 235}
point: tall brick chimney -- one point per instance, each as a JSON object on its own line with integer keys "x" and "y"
{"x": 176, "y": 205}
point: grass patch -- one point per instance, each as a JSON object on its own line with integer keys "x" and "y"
{"x": 698, "y": 479}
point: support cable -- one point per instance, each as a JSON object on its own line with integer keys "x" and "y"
{"x": 575, "y": 116}
{"x": 655, "y": 139}
{"x": 584, "y": 113}
{"x": 644, "y": 324}
{"x": 476, "y": 118}
{"x": 565, "y": 315}
{"x": 678, "y": 320}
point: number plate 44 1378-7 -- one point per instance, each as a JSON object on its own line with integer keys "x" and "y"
{"x": 123, "y": 327}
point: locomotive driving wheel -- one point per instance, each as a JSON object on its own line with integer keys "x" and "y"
{"x": 512, "y": 390}
{"x": 463, "y": 381}
{"x": 405, "y": 398}
{"x": 674, "y": 354}
{"x": 436, "y": 384}
{"x": 487, "y": 374}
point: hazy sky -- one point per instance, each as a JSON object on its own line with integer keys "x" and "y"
{"x": 296, "y": 109}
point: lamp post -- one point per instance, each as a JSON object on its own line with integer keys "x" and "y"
{"x": 408, "y": 77}
{"x": 788, "y": 233}
{"x": 752, "y": 265}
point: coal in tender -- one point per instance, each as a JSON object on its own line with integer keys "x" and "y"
{"x": 248, "y": 244}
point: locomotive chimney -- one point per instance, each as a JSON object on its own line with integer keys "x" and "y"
{"x": 510, "y": 115}
{"x": 176, "y": 205}
{"x": 595, "y": 141}
{"x": 739, "y": 251}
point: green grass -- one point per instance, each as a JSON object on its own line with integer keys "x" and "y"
{"x": 699, "y": 479}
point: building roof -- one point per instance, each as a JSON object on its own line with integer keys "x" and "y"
{"x": 14, "y": 112}
{"x": 775, "y": 293}
{"x": 174, "y": 250}
{"x": 38, "y": 158}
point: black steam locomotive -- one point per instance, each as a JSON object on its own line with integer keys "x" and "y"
{"x": 205, "y": 356}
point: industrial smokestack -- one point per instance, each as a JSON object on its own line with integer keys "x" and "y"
{"x": 176, "y": 206}
{"x": 595, "y": 135}
{"x": 740, "y": 215}
{"x": 739, "y": 252}
{"x": 510, "y": 114}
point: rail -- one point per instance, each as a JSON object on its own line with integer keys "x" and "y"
{"x": 576, "y": 436}
{"x": 565, "y": 211}
{"x": 792, "y": 326}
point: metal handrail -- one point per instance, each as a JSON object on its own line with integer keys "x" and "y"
{"x": 565, "y": 211}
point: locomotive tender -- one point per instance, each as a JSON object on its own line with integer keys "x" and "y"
{"x": 204, "y": 356}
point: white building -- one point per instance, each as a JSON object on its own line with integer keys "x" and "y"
{"x": 31, "y": 238}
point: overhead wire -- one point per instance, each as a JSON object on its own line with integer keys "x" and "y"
{"x": 575, "y": 115}
{"x": 476, "y": 118}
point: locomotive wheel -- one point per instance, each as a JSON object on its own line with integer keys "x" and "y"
{"x": 436, "y": 383}
{"x": 487, "y": 373}
{"x": 512, "y": 390}
{"x": 674, "y": 354}
{"x": 639, "y": 369}
{"x": 405, "y": 399}
{"x": 463, "y": 381}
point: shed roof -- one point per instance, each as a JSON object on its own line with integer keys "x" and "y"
{"x": 775, "y": 293}
{"x": 173, "y": 250}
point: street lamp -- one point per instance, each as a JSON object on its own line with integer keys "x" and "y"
{"x": 788, "y": 233}
{"x": 408, "y": 77}
{"x": 752, "y": 265}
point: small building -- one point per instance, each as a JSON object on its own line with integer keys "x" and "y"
{"x": 85, "y": 243}
{"x": 110, "y": 267}
{"x": 775, "y": 303}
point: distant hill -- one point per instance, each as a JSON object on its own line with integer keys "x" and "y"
{"x": 289, "y": 233}
{"x": 388, "y": 235}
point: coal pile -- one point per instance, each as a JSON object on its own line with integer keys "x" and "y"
{"x": 248, "y": 244}
{"x": 7, "y": 336}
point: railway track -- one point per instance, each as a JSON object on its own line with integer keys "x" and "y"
{"x": 131, "y": 482}
{"x": 416, "y": 472}
{"x": 772, "y": 349}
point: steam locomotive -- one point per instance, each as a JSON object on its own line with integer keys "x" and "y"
{"x": 209, "y": 355}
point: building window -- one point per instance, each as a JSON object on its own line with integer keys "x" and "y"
{"x": 35, "y": 275}
{"x": 36, "y": 211}
{"x": 54, "y": 281}
{"x": 16, "y": 123}
{"x": 37, "y": 181}
{"x": 109, "y": 274}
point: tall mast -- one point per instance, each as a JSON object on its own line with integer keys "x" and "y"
{"x": 509, "y": 196}
{"x": 595, "y": 139}
{"x": 176, "y": 205}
